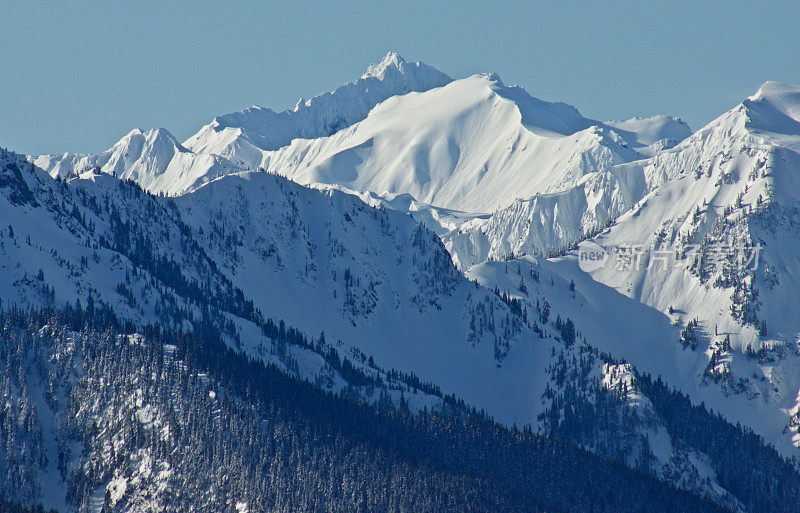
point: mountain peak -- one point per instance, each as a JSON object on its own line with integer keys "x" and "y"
{"x": 151, "y": 133}
{"x": 261, "y": 129}
{"x": 153, "y": 137}
{"x": 390, "y": 60}
{"x": 783, "y": 97}
{"x": 492, "y": 77}
{"x": 774, "y": 108}
{"x": 772, "y": 89}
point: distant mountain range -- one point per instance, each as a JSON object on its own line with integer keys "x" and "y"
{"x": 414, "y": 243}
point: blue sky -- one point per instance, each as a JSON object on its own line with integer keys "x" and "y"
{"x": 77, "y": 76}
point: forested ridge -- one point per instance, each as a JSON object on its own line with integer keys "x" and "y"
{"x": 617, "y": 419}
{"x": 138, "y": 415}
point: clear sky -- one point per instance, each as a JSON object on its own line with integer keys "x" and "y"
{"x": 77, "y": 76}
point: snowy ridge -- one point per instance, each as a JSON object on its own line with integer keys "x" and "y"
{"x": 732, "y": 184}
{"x": 152, "y": 158}
{"x": 473, "y": 145}
{"x": 545, "y": 223}
{"x": 241, "y": 136}
{"x": 160, "y": 164}
{"x": 652, "y": 135}
{"x": 366, "y": 273}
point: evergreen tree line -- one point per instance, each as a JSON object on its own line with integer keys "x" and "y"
{"x": 177, "y": 421}
{"x": 16, "y": 507}
{"x": 744, "y": 464}
{"x": 583, "y": 410}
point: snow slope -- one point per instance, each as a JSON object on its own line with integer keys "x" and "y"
{"x": 250, "y": 247}
{"x": 152, "y": 158}
{"x": 733, "y": 184}
{"x": 373, "y": 278}
{"x": 649, "y": 136}
{"x": 160, "y": 164}
{"x": 474, "y": 145}
{"x": 241, "y": 136}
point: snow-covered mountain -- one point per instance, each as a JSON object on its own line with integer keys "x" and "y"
{"x": 477, "y": 145}
{"x": 456, "y": 150}
{"x": 474, "y": 145}
{"x": 242, "y": 136}
{"x": 249, "y": 251}
{"x": 253, "y": 247}
{"x": 388, "y": 154}
{"x": 732, "y": 185}
{"x": 415, "y": 236}
{"x": 152, "y": 158}
{"x": 235, "y": 142}
{"x": 711, "y": 247}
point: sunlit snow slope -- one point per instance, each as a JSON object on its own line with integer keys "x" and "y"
{"x": 474, "y": 145}
{"x": 733, "y": 184}
{"x": 235, "y": 142}
{"x": 251, "y": 247}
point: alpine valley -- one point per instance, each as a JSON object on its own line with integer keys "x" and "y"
{"x": 377, "y": 301}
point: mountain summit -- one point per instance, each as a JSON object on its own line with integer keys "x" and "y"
{"x": 391, "y": 62}
{"x": 237, "y": 135}
{"x": 236, "y": 141}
